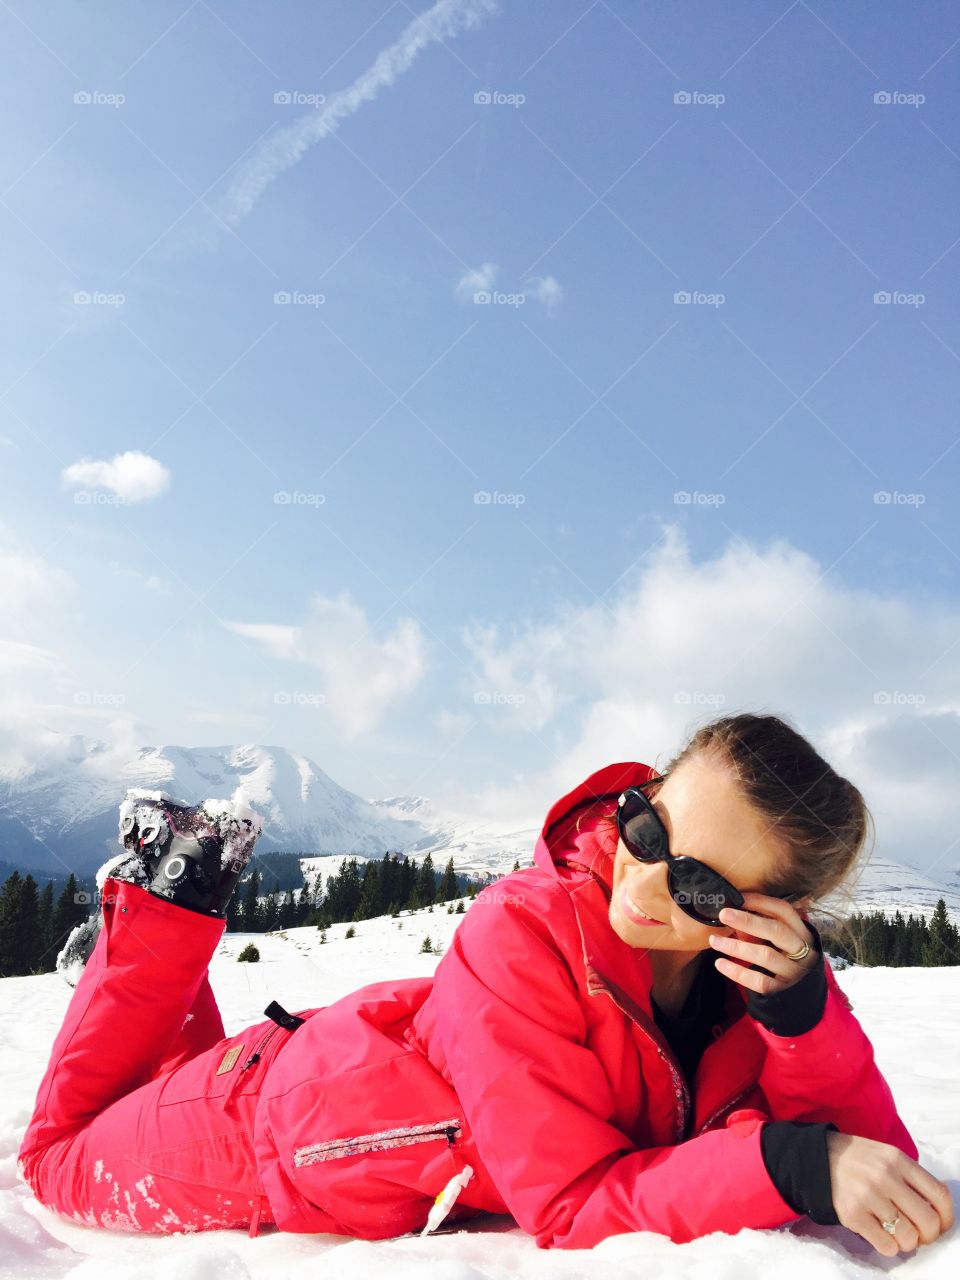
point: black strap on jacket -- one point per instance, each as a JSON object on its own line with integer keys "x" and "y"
{"x": 280, "y": 1016}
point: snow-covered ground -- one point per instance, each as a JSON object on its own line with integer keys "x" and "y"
{"x": 911, "y": 1015}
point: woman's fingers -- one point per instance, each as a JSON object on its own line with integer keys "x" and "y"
{"x": 875, "y": 1182}
{"x": 933, "y": 1191}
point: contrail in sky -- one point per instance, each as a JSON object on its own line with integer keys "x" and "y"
{"x": 283, "y": 149}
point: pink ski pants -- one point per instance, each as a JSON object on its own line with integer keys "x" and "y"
{"x": 138, "y": 1123}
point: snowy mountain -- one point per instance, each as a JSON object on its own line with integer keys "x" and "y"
{"x": 892, "y": 886}
{"x": 65, "y": 816}
{"x": 62, "y": 816}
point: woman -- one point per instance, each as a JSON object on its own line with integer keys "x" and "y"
{"x": 591, "y": 1056}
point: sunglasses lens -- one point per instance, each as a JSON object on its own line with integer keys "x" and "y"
{"x": 700, "y": 892}
{"x": 640, "y": 828}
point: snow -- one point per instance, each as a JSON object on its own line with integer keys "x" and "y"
{"x": 912, "y": 1016}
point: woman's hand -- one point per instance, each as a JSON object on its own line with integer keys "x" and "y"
{"x": 767, "y": 931}
{"x": 873, "y": 1182}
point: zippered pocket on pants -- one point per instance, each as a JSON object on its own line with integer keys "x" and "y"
{"x": 358, "y": 1144}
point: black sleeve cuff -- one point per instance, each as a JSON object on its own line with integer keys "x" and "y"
{"x": 796, "y": 1157}
{"x": 798, "y": 1008}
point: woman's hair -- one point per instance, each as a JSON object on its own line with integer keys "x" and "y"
{"x": 821, "y": 818}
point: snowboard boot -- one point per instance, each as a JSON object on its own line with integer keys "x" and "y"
{"x": 82, "y": 939}
{"x": 192, "y": 856}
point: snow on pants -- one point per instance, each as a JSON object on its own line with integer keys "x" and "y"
{"x": 139, "y": 1123}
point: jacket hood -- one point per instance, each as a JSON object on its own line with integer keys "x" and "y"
{"x": 583, "y": 863}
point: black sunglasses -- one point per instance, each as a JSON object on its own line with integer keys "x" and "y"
{"x": 696, "y": 889}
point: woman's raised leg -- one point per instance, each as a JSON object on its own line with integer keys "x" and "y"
{"x": 121, "y": 1135}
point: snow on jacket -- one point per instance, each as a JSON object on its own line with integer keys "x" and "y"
{"x": 531, "y": 1063}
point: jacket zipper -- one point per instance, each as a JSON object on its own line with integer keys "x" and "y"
{"x": 680, "y": 1088}
{"x": 406, "y": 1135}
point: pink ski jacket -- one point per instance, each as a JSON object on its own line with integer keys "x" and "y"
{"x": 531, "y": 1064}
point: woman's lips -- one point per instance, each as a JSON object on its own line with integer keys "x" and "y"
{"x": 630, "y": 911}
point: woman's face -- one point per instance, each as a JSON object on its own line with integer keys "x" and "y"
{"x": 705, "y": 817}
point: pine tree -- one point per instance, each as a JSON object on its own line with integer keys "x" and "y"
{"x": 10, "y": 898}
{"x": 447, "y": 888}
{"x": 250, "y": 914}
{"x": 370, "y": 904}
{"x": 28, "y": 934}
{"x": 288, "y": 911}
{"x": 941, "y": 946}
{"x": 48, "y": 956}
{"x": 426, "y": 881}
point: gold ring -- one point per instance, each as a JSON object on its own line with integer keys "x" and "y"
{"x": 804, "y": 950}
{"x": 891, "y": 1226}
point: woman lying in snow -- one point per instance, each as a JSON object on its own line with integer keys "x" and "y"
{"x": 640, "y": 1032}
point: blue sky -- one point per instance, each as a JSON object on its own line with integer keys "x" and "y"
{"x": 183, "y": 164}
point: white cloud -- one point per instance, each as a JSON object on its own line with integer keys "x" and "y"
{"x": 476, "y": 280}
{"x": 768, "y": 630}
{"x": 452, "y": 724}
{"x": 363, "y": 677}
{"x": 132, "y": 476}
{"x": 48, "y": 710}
{"x": 547, "y": 289}
{"x": 283, "y": 149}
